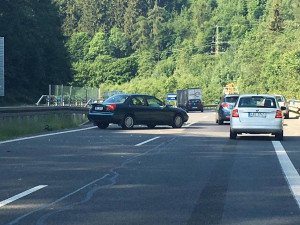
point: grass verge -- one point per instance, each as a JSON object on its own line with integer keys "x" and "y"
{"x": 19, "y": 126}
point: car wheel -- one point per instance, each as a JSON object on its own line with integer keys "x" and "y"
{"x": 279, "y": 136}
{"x": 177, "y": 121}
{"x": 220, "y": 122}
{"x": 151, "y": 126}
{"x": 287, "y": 115}
{"x": 103, "y": 125}
{"x": 233, "y": 134}
{"x": 128, "y": 122}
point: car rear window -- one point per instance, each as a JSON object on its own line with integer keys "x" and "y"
{"x": 257, "y": 102}
{"x": 116, "y": 99}
{"x": 231, "y": 99}
{"x": 279, "y": 98}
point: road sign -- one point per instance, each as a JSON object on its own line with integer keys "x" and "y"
{"x": 171, "y": 97}
{"x": 1, "y": 66}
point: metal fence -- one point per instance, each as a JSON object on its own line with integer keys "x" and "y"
{"x": 60, "y": 95}
{"x": 108, "y": 94}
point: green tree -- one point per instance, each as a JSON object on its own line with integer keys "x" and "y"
{"x": 119, "y": 43}
{"x": 98, "y": 46}
{"x": 78, "y": 46}
{"x": 156, "y": 18}
{"x": 93, "y": 15}
{"x": 140, "y": 37}
{"x": 277, "y": 22}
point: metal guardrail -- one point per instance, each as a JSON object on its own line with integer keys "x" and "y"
{"x": 294, "y": 106}
{"x": 34, "y": 110}
{"x": 210, "y": 106}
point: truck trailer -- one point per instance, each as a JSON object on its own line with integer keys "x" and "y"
{"x": 190, "y": 99}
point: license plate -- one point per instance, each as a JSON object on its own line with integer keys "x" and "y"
{"x": 256, "y": 114}
{"x": 195, "y": 107}
{"x": 100, "y": 108}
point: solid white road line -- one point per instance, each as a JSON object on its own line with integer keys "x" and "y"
{"x": 289, "y": 170}
{"x": 147, "y": 141}
{"x": 18, "y": 196}
{"x": 188, "y": 125}
{"x": 46, "y": 135}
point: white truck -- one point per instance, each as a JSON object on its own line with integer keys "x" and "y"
{"x": 190, "y": 99}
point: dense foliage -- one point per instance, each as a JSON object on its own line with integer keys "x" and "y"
{"x": 35, "y": 55}
{"x": 153, "y": 46}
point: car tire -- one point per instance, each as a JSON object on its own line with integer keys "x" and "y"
{"x": 220, "y": 122}
{"x": 287, "y": 115}
{"x": 103, "y": 125}
{"x": 177, "y": 121}
{"x": 233, "y": 134}
{"x": 151, "y": 126}
{"x": 128, "y": 122}
{"x": 279, "y": 136}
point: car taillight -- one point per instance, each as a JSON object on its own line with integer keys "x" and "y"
{"x": 111, "y": 107}
{"x": 200, "y": 103}
{"x": 278, "y": 114}
{"x": 235, "y": 113}
{"x": 225, "y": 105}
{"x": 189, "y": 103}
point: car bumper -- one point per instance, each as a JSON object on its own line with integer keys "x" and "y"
{"x": 194, "y": 108}
{"x": 255, "y": 129}
{"x": 185, "y": 118}
{"x": 225, "y": 115}
{"x": 107, "y": 117}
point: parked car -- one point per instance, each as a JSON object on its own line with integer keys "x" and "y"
{"x": 128, "y": 110}
{"x": 283, "y": 102}
{"x": 224, "y": 108}
{"x": 257, "y": 114}
{"x": 194, "y": 105}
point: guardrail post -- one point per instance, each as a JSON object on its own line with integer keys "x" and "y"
{"x": 70, "y": 95}
{"x": 62, "y": 95}
{"x": 49, "y": 95}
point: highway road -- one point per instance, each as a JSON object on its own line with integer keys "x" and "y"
{"x": 162, "y": 176}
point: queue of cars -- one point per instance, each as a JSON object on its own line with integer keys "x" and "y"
{"x": 251, "y": 113}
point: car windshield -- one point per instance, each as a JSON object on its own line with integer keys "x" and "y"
{"x": 116, "y": 99}
{"x": 257, "y": 101}
{"x": 279, "y": 99}
{"x": 231, "y": 99}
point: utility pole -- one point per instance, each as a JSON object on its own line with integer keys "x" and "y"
{"x": 216, "y": 42}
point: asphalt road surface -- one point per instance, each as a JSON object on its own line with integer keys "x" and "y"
{"x": 160, "y": 176}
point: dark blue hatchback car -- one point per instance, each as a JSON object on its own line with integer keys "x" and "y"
{"x": 224, "y": 108}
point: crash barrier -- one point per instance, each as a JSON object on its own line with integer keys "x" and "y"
{"x": 294, "y": 105}
{"x": 24, "y": 116}
{"x": 209, "y": 106}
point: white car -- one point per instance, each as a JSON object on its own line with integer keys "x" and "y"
{"x": 257, "y": 114}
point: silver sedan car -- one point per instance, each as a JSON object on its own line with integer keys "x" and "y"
{"x": 257, "y": 114}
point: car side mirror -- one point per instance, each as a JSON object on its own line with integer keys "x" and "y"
{"x": 283, "y": 108}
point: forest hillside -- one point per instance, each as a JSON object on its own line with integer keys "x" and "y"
{"x": 151, "y": 46}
